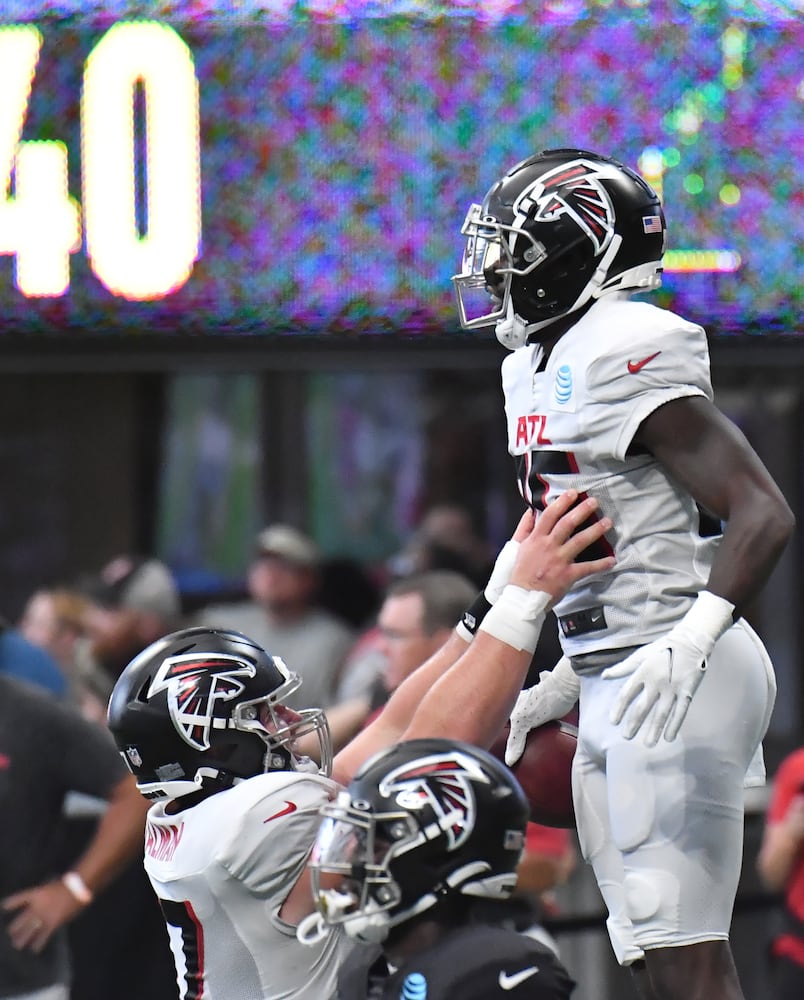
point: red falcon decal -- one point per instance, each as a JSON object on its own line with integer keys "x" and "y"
{"x": 444, "y": 782}
{"x": 197, "y": 686}
{"x": 573, "y": 189}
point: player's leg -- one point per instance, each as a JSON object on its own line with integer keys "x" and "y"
{"x": 594, "y": 836}
{"x": 675, "y": 814}
{"x": 681, "y": 837}
{"x": 590, "y": 799}
{"x": 704, "y": 971}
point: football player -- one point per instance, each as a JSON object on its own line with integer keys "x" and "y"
{"x": 407, "y": 859}
{"x": 200, "y": 718}
{"x": 612, "y": 395}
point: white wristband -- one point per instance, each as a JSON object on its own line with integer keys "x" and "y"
{"x": 78, "y": 887}
{"x": 517, "y": 617}
{"x": 463, "y": 632}
{"x": 708, "y": 618}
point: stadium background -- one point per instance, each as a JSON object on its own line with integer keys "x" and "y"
{"x": 304, "y": 362}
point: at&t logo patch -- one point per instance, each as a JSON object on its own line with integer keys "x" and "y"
{"x": 562, "y": 390}
{"x": 414, "y": 987}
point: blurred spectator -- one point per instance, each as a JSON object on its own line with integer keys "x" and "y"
{"x": 547, "y": 862}
{"x": 415, "y": 619}
{"x": 135, "y": 600}
{"x": 21, "y": 658}
{"x": 781, "y": 866}
{"x": 284, "y": 614}
{"x": 56, "y": 620}
{"x": 56, "y": 751}
{"x": 446, "y": 538}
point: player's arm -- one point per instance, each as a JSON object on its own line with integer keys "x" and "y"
{"x": 387, "y": 728}
{"x": 710, "y": 457}
{"x": 465, "y": 692}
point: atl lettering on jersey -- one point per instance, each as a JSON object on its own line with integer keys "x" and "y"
{"x": 532, "y": 429}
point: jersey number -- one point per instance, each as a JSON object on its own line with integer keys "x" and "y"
{"x": 531, "y": 469}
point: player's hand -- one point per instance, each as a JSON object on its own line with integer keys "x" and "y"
{"x": 552, "y": 697}
{"x": 504, "y": 564}
{"x": 546, "y": 556}
{"x": 665, "y": 674}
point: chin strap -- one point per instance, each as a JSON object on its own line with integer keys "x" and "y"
{"x": 513, "y": 332}
{"x": 312, "y": 929}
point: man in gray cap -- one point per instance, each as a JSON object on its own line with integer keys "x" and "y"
{"x": 283, "y": 614}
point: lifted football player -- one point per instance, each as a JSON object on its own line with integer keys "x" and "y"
{"x": 613, "y": 396}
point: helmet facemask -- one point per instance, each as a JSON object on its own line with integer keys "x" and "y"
{"x": 483, "y": 287}
{"x": 358, "y": 848}
{"x": 281, "y": 727}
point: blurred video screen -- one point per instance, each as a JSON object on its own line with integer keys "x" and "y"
{"x": 287, "y": 169}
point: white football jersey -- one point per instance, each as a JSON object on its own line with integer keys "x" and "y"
{"x": 222, "y": 870}
{"x": 571, "y": 421}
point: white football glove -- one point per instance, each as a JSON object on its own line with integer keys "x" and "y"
{"x": 665, "y": 674}
{"x": 554, "y": 695}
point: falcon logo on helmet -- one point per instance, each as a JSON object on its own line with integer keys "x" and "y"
{"x": 195, "y": 686}
{"x": 572, "y": 189}
{"x": 444, "y": 783}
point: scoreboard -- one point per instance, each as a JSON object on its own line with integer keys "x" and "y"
{"x": 274, "y": 169}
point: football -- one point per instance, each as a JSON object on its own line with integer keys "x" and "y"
{"x": 544, "y": 770}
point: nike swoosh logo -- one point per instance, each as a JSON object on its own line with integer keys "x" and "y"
{"x": 511, "y": 982}
{"x": 637, "y": 366}
{"x": 290, "y": 807}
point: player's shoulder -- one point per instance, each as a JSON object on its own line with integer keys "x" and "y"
{"x": 229, "y": 813}
{"x": 303, "y": 789}
{"x": 628, "y": 348}
{"x": 616, "y": 324}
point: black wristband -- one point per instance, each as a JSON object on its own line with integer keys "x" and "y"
{"x": 475, "y": 613}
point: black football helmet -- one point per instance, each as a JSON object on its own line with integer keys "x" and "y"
{"x": 202, "y": 708}
{"x": 559, "y": 230}
{"x": 419, "y": 823}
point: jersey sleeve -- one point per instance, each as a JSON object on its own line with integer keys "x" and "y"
{"x": 651, "y": 364}
{"x": 268, "y": 848}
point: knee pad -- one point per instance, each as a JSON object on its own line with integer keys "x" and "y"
{"x": 632, "y": 796}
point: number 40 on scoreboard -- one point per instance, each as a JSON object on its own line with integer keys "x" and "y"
{"x": 41, "y": 224}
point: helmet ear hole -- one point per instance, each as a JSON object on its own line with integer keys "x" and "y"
{"x": 142, "y": 694}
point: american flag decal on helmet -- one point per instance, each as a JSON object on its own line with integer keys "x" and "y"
{"x": 572, "y": 189}
{"x": 197, "y": 685}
